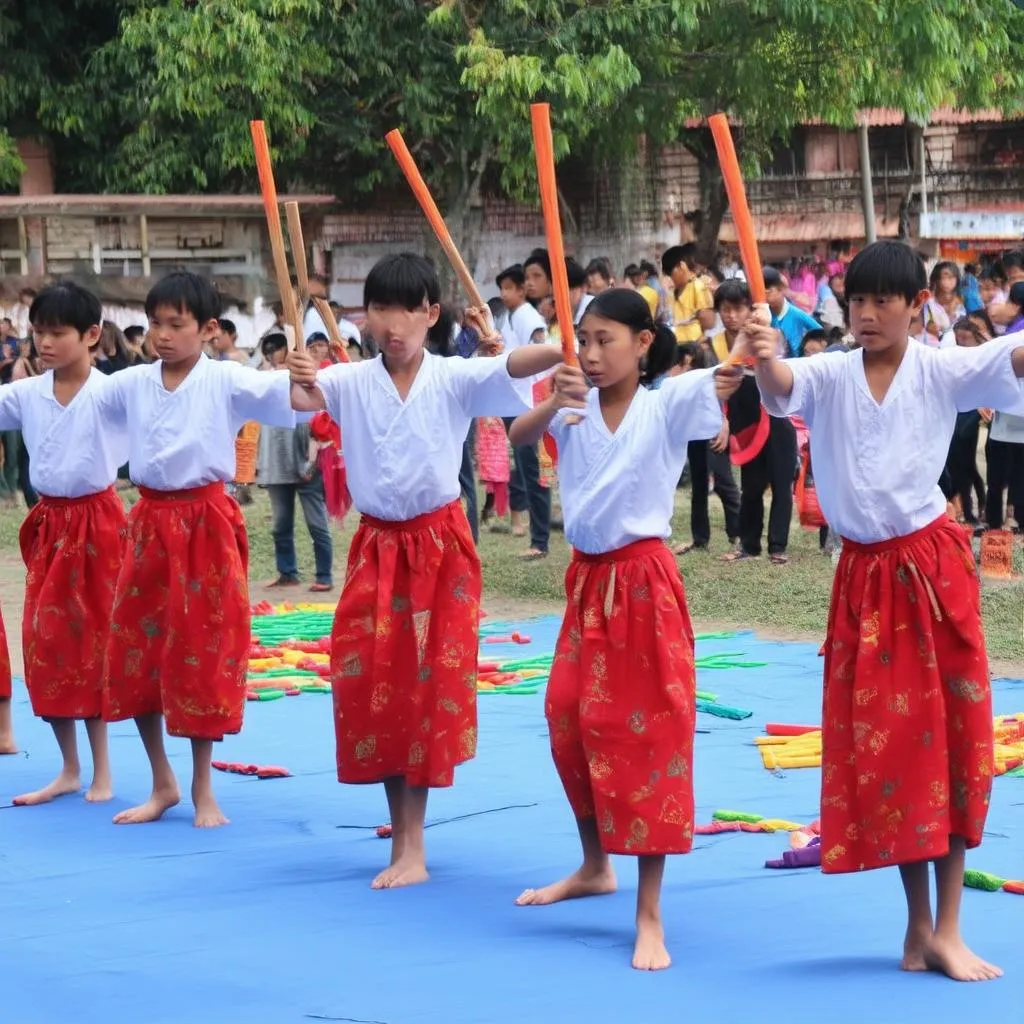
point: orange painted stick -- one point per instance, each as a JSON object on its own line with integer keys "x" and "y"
{"x": 719, "y": 124}
{"x": 433, "y": 214}
{"x": 543, "y": 144}
{"x": 269, "y": 191}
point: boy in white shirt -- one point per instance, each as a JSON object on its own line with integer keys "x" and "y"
{"x": 907, "y": 731}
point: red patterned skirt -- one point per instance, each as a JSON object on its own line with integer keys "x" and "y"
{"x": 404, "y": 650}
{"x": 907, "y": 733}
{"x": 73, "y": 549}
{"x": 179, "y": 636}
{"x": 621, "y": 699}
{"x": 5, "y": 664}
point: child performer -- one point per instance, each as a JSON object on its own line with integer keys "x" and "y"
{"x": 907, "y": 722}
{"x": 404, "y": 643}
{"x": 72, "y": 541}
{"x": 8, "y": 744}
{"x": 180, "y": 626}
{"x": 621, "y": 698}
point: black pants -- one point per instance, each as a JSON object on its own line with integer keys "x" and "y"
{"x": 961, "y": 478}
{"x": 704, "y": 463}
{"x": 1005, "y": 461}
{"x": 775, "y": 467}
{"x": 467, "y": 481}
{"x": 525, "y": 492}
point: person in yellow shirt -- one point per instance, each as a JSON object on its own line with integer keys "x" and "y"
{"x": 691, "y": 302}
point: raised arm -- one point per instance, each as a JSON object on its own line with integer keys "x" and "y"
{"x": 570, "y": 393}
{"x": 774, "y": 377}
{"x": 529, "y": 360}
{"x": 306, "y": 394}
{"x": 10, "y": 406}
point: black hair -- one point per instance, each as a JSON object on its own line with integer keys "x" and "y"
{"x": 135, "y": 332}
{"x": 989, "y": 274}
{"x": 716, "y": 273}
{"x": 496, "y": 306}
{"x": 405, "y": 279}
{"x": 733, "y": 291}
{"x": 648, "y": 268}
{"x": 629, "y": 308}
{"x": 969, "y": 323}
{"x": 671, "y": 258}
{"x": 632, "y": 270}
{"x": 576, "y": 274}
{"x": 272, "y": 343}
{"x": 539, "y": 258}
{"x": 318, "y": 336}
{"x": 694, "y": 351}
{"x": 1016, "y": 295}
{"x": 933, "y": 278}
{"x": 187, "y": 293}
{"x": 886, "y": 268}
{"x": 602, "y": 266}
{"x": 228, "y": 326}
{"x": 66, "y": 304}
{"x": 814, "y": 334}
{"x": 835, "y": 336}
{"x": 439, "y": 337}
{"x": 1012, "y": 260}
{"x": 514, "y": 274}
{"x": 772, "y": 278}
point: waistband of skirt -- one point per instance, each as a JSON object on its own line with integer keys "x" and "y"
{"x": 187, "y": 494}
{"x": 47, "y": 502}
{"x": 638, "y": 549}
{"x": 423, "y": 522}
{"x": 897, "y": 542}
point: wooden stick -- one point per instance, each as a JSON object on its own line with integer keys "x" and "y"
{"x": 269, "y": 191}
{"x": 433, "y": 214}
{"x": 294, "y": 219}
{"x": 540, "y": 116}
{"x": 323, "y": 307}
{"x": 719, "y": 125}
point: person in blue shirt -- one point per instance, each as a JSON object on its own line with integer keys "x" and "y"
{"x": 791, "y": 320}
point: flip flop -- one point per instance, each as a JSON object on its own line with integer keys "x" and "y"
{"x": 738, "y": 556}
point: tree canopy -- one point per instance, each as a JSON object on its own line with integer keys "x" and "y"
{"x": 155, "y": 95}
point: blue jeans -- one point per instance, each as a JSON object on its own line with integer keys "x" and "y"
{"x": 314, "y": 509}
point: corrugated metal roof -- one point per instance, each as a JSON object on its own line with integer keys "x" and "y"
{"x": 153, "y": 206}
{"x": 810, "y": 227}
{"x": 886, "y": 117}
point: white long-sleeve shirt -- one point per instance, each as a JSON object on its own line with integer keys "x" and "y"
{"x": 877, "y": 464}
{"x": 73, "y": 450}
{"x": 619, "y": 488}
{"x": 403, "y": 457}
{"x": 185, "y": 438}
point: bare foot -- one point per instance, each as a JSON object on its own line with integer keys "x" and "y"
{"x": 208, "y": 813}
{"x": 99, "y": 792}
{"x": 63, "y": 785}
{"x": 580, "y": 883}
{"x": 7, "y": 744}
{"x": 649, "y": 953}
{"x": 915, "y": 946}
{"x": 405, "y": 871}
{"x": 161, "y": 801}
{"x": 952, "y": 958}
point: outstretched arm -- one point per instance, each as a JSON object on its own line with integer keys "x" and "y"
{"x": 774, "y": 377}
{"x": 529, "y": 360}
{"x": 306, "y": 394}
{"x": 570, "y": 393}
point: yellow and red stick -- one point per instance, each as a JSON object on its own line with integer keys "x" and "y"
{"x": 433, "y": 214}
{"x": 269, "y": 191}
{"x": 540, "y": 115}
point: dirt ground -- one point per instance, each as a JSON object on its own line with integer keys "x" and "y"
{"x": 12, "y": 591}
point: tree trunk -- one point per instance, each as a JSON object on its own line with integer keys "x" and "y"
{"x": 713, "y": 204}
{"x": 867, "y": 185}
